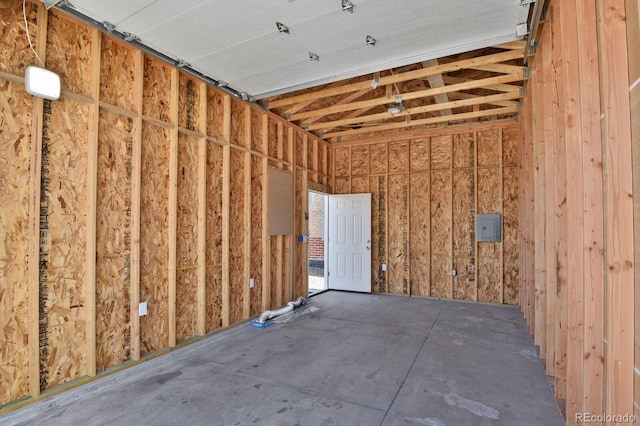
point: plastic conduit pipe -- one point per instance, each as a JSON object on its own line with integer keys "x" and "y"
{"x": 267, "y": 315}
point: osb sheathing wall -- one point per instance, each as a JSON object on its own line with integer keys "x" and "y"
{"x": 141, "y": 184}
{"x": 576, "y": 210}
{"x": 426, "y": 192}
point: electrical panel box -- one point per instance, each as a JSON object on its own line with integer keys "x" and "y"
{"x": 489, "y": 227}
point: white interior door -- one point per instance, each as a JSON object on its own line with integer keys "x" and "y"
{"x": 349, "y": 242}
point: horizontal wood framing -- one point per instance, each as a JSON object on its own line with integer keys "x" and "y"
{"x": 426, "y": 192}
{"x": 139, "y": 174}
{"x": 479, "y": 86}
{"x": 575, "y": 134}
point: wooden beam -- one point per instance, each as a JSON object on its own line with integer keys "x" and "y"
{"x": 426, "y": 121}
{"x": 35, "y": 178}
{"x": 475, "y": 84}
{"x": 266, "y": 238}
{"x": 574, "y": 210}
{"x": 136, "y": 184}
{"x": 92, "y": 203}
{"x": 594, "y": 266}
{"x": 343, "y": 101}
{"x": 173, "y": 206}
{"x": 618, "y": 207}
{"x": 397, "y": 78}
{"x": 548, "y": 236}
{"x": 226, "y": 202}
{"x": 201, "y": 314}
{"x": 477, "y": 100}
{"x": 500, "y": 68}
{"x": 247, "y": 216}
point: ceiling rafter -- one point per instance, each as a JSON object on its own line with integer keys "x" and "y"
{"x": 396, "y": 78}
{"x": 433, "y": 120}
{"x": 475, "y": 84}
{"x": 478, "y": 100}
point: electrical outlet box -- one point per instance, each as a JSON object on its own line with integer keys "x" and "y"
{"x": 252, "y": 282}
{"x": 384, "y": 267}
{"x": 142, "y": 309}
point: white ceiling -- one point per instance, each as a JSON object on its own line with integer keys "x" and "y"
{"x": 237, "y": 40}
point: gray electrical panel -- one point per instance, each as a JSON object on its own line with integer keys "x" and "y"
{"x": 489, "y": 227}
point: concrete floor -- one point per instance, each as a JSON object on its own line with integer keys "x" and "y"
{"x": 349, "y": 359}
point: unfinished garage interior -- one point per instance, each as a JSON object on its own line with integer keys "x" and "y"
{"x": 161, "y": 203}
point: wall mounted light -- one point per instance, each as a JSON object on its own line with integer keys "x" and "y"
{"x": 314, "y": 57}
{"x": 42, "y": 83}
{"x": 347, "y": 6}
{"x": 282, "y": 28}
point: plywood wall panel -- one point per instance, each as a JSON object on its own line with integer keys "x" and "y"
{"x": 154, "y": 238}
{"x": 257, "y": 185}
{"x": 488, "y": 148}
{"x": 342, "y": 186}
{"x": 398, "y": 264}
{"x": 378, "y": 189}
{"x": 65, "y": 197}
{"x": 236, "y": 235}
{"x": 510, "y": 236}
{"x": 463, "y": 150}
{"x": 360, "y": 160}
{"x": 510, "y": 147}
{"x": 238, "y": 123}
{"x": 300, "y": 275}
{"x": 15, "y": 146}
{"x": 342, "y": 158}
{"x": 213, "y": 302}
{"x": 189, "y": 101}
{"x": 256, "y": 131}
{"x": 464, "y": 234}
{"x": 441, "y": 152}
{"x": 299, "y": 147}
{"x": 440, "y": 232}
{"x": 69, "y": 52}
{"x": 378, "y": 158}
{"x": 276, "y": 278}
{"x": 187, "y": 238}
{"x": 15, "y": 54}
{"x": 489, "y": 255}
{"x": 272, "y": 129}
{"x": 117, "y": 65}
{"x": 359, "y": 184}
{"x": 419, "y": 155}
{"x": 215, "y": 113}
{"x": 157, "y": 90}
{"x": 398, "y": 157}
{"x": 419, "y": 195}
{"x": 113, "y": 239}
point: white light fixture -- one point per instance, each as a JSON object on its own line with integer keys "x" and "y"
{"x": 314, "y": 57}
{"x": 347, "y": 6}
{"x": 50, "y": 3}
{"x": 397, "y": 107}
{"x": 282, "y": 28}
{"x": 370, "y": 41}
{"x": 42, "y": 83}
